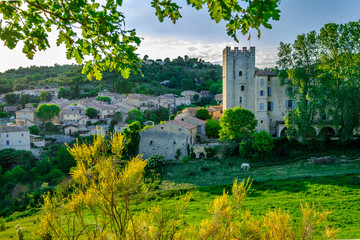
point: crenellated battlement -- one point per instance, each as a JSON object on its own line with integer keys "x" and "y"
{"x": 238, "y": 52}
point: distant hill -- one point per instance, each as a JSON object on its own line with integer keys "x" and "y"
{"x": 181, "y": 74}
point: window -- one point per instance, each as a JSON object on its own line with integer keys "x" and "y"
{"x": 180, "y": 129}
{"x": 22, "y": 134}
{"x": 242, "y": 88}
{"x": 151, "y": 142}
{"x": 290, "y": 104}
{"x": 262, "y": 82}
{"x": 289, "y": 91}
{"x": 7, "y": 142}
{"x": 162, "y": 127}
{"x": 174, "y": 142}
{"x": 261, "y": 107}
{"x": 240, "y": 99}
{"x": 262, "y": 121}
{"x": 270, "y": 106}
{"x": 19, "y": 141}
{"x": 7, "y": 135}
{"x": 269, "y": 91}
{"x": 262, "y": 93}
{"x": 268, "y": 78}
{"x": 240, "y": 73}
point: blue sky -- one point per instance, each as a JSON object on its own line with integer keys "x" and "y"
{"x": 196, "y": 35}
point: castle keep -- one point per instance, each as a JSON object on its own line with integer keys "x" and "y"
{"x": 259, "y": 91}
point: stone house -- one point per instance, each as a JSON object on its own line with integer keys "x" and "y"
{"x": 14, "y": 137}
{"x": 191, "y": 110}
{"x": 141, "y": 101}
{"x": 182, "y": 101}
{"x": 204, "y": 94}
{"x": 27, "y": 117}
{"x": 37, "y": 140}
{"x": 120, "y": 127}
{"x": 215, "y": 111}
{"x": 71, "y": 129}
{"x": 167, "y": 138}
{"x": 189, "y": 94}
{"x": 218, "y": 98}
{"x": 200, "y": 124}
{"x": 69, "y": 116}
{"x": 166, "y": 101}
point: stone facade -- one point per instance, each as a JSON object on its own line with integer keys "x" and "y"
{"x": 167, "y": 138}
{"x": 259, "y": 92}
{"x": 17, "y": 138}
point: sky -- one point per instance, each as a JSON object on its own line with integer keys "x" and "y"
{"x": 196, "y": 35}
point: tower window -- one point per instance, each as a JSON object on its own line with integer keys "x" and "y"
{"x": 262, "y": 82}
{"x": 240, "y": 99}
{"x": 261, "y": 107}
{"x": 151, "y": 142}
{"x": 269, "y": 91}
{"x": 240, "y": 73}
{"x": 268, "y": 78}
{"x": 270, "y": 106}
{"x": 242, "y": 88}
{"x": 261, "y": 93}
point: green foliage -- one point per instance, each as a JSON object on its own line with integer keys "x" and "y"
{"x": 45, "y": 96}
{"x": 178, "y": 154}
{"x": 185, "y": 159}
{"x": 262, "y": 142}
{"x": 237, "y": 125}
{"x": 245, "y": 149}
{"x": 104, "y": 99}
{"x": 64, "y": 93}
{"x": 212, "y": 128}
{"x": 3, "y": 115}
{"x": 117, "y": 116}
{"x": 64, "y": 160}
{"x": 132, "y": 139}
{"x": 211, "y": 152}
{"x": 91, "y": 112}
{"x": 11, "y": 98}
{"x": 135, "y": 115}
{"x": 2, "y": 224}
{"x": 203, "y": 114}
{"x": 50, "y": 127}
{"x": 34, "y": 130}
{"x": 155, "y": 163}
{"x": 196, "y": 97}
{"x": 321, "y": 70}
{"x": 47, "y": 112}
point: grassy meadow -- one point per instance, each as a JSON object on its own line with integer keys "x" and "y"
{"x": 335, "y": 186}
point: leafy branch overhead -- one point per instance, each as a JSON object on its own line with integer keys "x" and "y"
{"x": 95, "y": 35}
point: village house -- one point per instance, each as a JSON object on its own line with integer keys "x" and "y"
{"x": 167, "y": 139}
{"x": 215, "y": 111}
{"x": 141, "y": 101}
{"x": 17, "y": 138}
{"x": 27, "y": 117}
{"x": 189, "y": 94}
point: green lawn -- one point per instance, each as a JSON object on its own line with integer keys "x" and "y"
{"x": 336, "y": 186}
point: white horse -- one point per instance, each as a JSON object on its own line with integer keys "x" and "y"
{"x": 245, "y": 166}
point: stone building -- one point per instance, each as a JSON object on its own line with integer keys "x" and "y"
{"x": 17, "y": 138}
{"x": 259, "y": 91}
{"x": 167, "y": 138}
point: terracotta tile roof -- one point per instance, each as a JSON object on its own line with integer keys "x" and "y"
{"x": 182, "y": 124}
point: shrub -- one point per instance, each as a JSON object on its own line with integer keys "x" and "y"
{"x": 185, "y": 159}
{"x": 2, "y": 224}
{"x": 282, "y": 146}
{"x": 155, "y": 163}
{"x": 211, "y": 152}
{"x": 245, "y": 149}
{"x": 178, "y": 153}
{"x": 20, "y": 231}
{"x": 262, "y": 142}
{"x": 212, "y": 128}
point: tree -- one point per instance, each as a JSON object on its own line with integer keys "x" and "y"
{"x": 64, "y": 93}
{"x": 45, "y": 96}
{"x": 104, "y": 99}
{"x": 132, "y": 139}
{"x": 262, "y": 142}
{"x": 11, "y": 98}
{"x": 64, "y": 160}
{"x": 90, "y": 29}
{"x": 163, "y": 114}
{"x": 47, "y": 112}
{"x": 237, "y": 125}
{"x": 196, "y": 97}
{"x": 203, "y": 114}
{"x": 91, "y": 112}
{"x": 135, "y": 115}
{"x": 76, "y": 91}
{"x": 117, "y": 116}
{"x": 212, "y": 128}
{"x": 34, "y": 130}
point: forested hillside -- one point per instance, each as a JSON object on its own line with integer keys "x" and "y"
{"x": 183, "y": 73}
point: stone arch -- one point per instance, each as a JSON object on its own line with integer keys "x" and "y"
{"x": 327, "y": 131}
{"x": 202, "y": 155}
{"x": 311, "y": 132}
{"x": 283, "y": 132}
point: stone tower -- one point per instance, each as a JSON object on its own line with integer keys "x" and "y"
{"x": 239, "y": 78}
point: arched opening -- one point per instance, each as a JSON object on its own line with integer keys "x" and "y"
{"x": 327, "y": 131}
{"x": 201, "y": 155}
{"x": 311, "y": 132}
{"x": 242, "y": 88}
{"x": 283, "y": 132}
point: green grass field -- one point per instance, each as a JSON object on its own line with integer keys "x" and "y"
{"x": 336, "y": 186}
